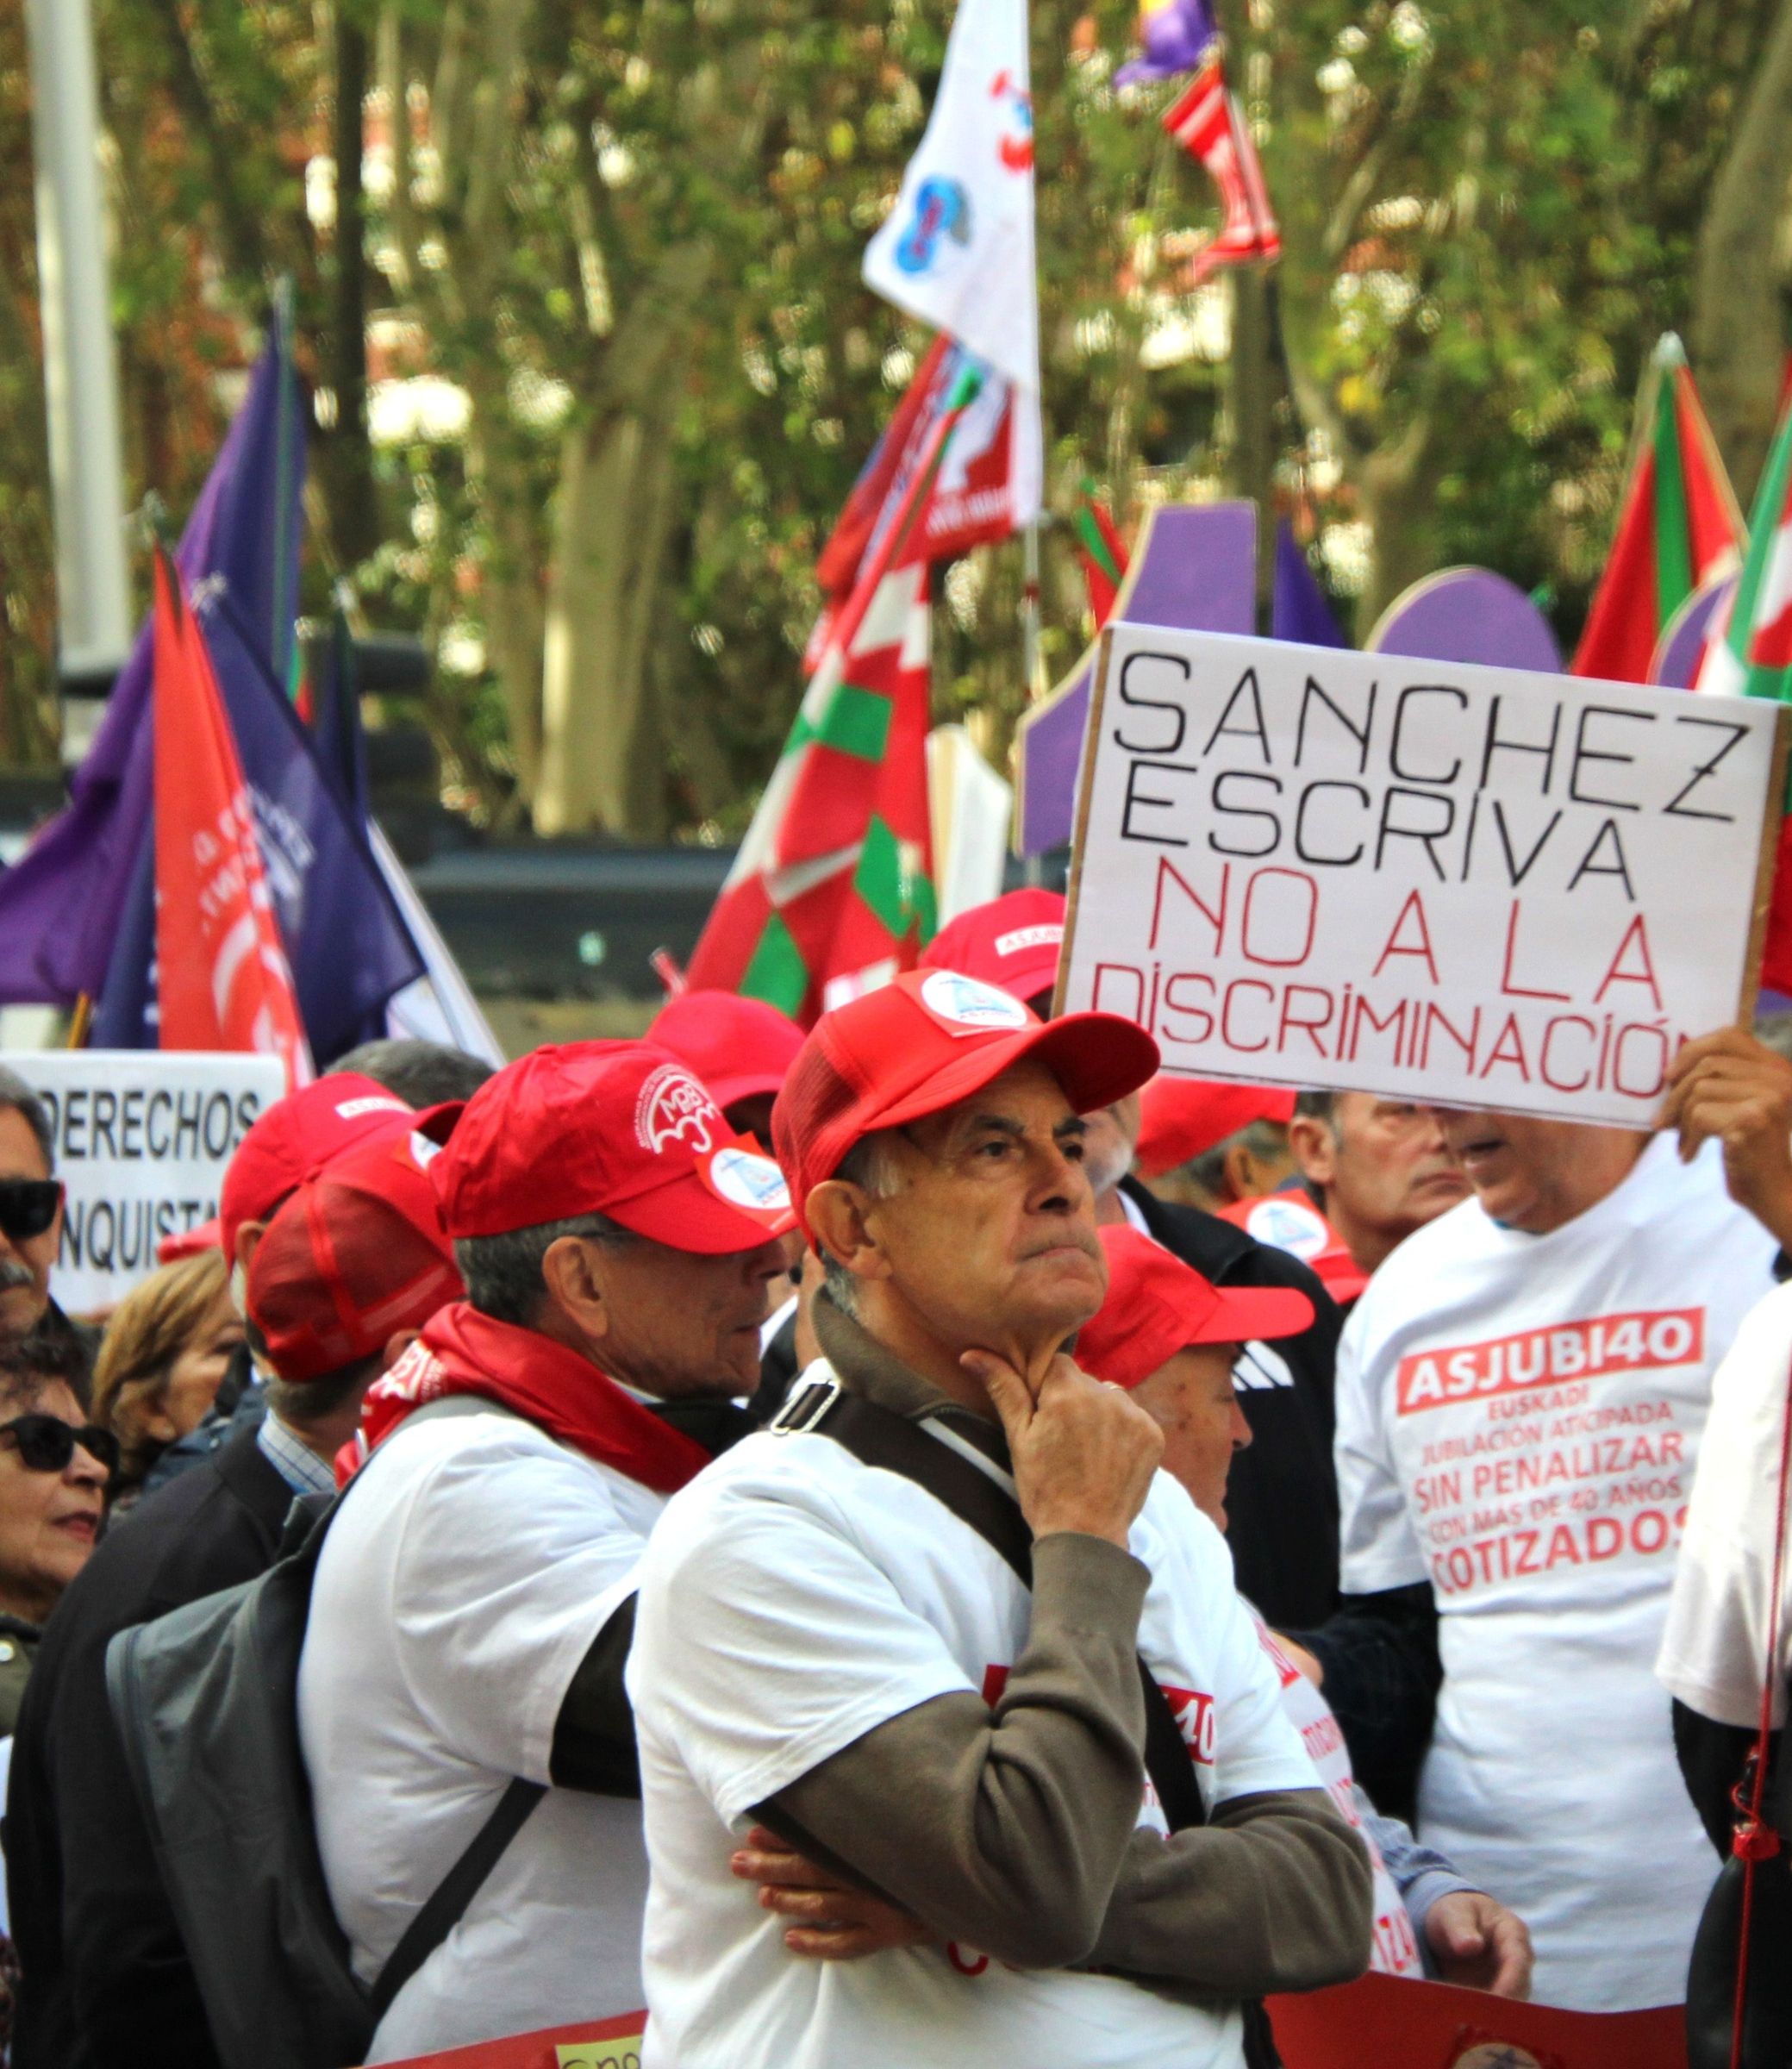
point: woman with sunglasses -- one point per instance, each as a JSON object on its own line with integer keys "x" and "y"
{"x": 53, "y": 1471}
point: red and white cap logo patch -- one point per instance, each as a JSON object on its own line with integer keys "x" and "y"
{"x": 966, "y": 1003}
{"x": 745, "y": 1179}
{"x": 672, "y": 1107}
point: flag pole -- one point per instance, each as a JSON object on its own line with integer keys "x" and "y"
{"x": 1031, "y": 666}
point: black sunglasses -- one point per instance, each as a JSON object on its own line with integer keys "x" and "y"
{"x": 47, "y": 1443}
{"x": 27, "y": 1206}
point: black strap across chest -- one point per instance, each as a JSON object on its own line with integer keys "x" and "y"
{"x": 876, "y": 1437}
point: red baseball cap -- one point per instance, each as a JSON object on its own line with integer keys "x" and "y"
{"x": 1012, "y": 941}
{"x": 1156, "y": 1305}
{"x": 615, "y": 1128}
{"x": 737, "y": 1047}
{"x": 921, "y": 1043}
{"x": 293, "y": 1138}
{"x": 356, "y": 1253}
{"x": 1289, "y": 1221}
{"x": 1182, "y": 1117}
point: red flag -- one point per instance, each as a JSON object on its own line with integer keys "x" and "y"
{"x": 1206, "y": 123}
{"x": 222, "y": 973}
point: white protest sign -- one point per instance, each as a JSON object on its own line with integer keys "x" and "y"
{"x": 1356, "y": 871}
{"x": 142, "y": 1139}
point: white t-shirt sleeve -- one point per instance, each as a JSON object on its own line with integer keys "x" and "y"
{"x": 1714, "y": 1650}
{"x": 508, "y": 1568}
{"x": 766, "y": 1641}
{"x": 1376, "y": 1545}
{"x": 1255, "y": 1748}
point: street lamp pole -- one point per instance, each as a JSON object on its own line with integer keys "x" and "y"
{"x": 80, "y": 365}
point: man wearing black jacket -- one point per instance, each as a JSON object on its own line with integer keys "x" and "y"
{"x": 105, "y": 1976}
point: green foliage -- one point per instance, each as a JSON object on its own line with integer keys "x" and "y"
{"x": 582, "y": 216}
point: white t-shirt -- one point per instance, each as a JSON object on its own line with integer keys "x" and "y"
{"x": 795, "y": 1599}
{"x": 1396, "y": 1950}
{"x": 1518, "y": 1419}
{"x": 471, "y": 1567}
{"x": 1715, "y": 1650}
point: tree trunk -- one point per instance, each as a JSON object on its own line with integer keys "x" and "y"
{"x": 612, "y": 523}
{"x": 1740, "y": 327}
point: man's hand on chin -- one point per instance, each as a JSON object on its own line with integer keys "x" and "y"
{"x": 830, "y": 1920}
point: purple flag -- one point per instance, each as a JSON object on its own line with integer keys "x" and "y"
{"x": 62, "y": 901}
{"x": 77, "y": 912}
{"x": 1174, "y": 35}
{"x": 1298, "y": 609}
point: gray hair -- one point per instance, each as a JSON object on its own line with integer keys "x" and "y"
{"x": 1262, "y": 1138}
{"x": 422, "y": 1073}
{"x": 1317, "y": 1106}
{"x": 869, "y": 1165}
{"x": 503, "y": 1273}
{"x": 17, "y": 1096}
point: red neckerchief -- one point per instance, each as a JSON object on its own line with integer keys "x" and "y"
{"x": 464, "y": 1351}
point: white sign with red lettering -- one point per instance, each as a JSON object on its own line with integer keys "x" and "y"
{"x": 1433, "y": 881}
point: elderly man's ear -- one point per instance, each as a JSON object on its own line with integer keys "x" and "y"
{"x": 837, "y": 1211}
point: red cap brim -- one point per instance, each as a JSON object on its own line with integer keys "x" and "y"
{"x": 689, "y": 1214}
{"x": 1244, "y": 1314}
{"x": 1096, "y": 1058}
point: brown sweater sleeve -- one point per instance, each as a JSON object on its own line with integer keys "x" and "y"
{"x": 1004, "y": 1830}
{"x": 1274, "y": 1894}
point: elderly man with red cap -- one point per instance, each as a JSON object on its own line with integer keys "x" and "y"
{"x": 942, "y": 1621}
{"x": 343, "y": 1257}
{"x": 1285, "y": 1536}
{"x": 474, "y": 1600}
{"x": 1171, "y": 1339}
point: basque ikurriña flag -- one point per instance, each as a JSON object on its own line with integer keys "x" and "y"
{"x": 1102, "y": 551}
{"x": 224, "y": 982}
{"x": 832, "y": 892}
{"x": 1678, "y": 527}
{"x": 1749, "y": 654}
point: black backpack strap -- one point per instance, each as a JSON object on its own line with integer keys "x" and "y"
{"x": 447, "y": 1906}
{"x": 876, "y": 1437}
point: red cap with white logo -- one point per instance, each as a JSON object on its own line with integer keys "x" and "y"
{"x": 615, "y": 1128}
{"x": 1012, "y": 941}
{"x": 923, "y": 1042}
{"x": 294, "y": 1137}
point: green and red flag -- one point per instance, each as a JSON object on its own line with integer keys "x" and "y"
{"x": 1102, "y": 551}
{"x": 1749, "y": 654}
{"x": 832, "y": 892}
{"x": 1679, "y": 525}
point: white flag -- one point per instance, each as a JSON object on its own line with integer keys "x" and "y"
{"x": 957, "y": 251}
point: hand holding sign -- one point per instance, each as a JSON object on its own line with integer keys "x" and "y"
{"x": 1732, "y": 1086}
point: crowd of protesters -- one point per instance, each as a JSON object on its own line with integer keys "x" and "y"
{"x": 930, "y": 1540}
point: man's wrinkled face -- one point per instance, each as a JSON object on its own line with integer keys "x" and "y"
{"x": 1523, "y": 1169}
{"x": 989, "y": 1231}
{"x": 24, "y": 1261}
{"x": 1391, "y": 1169}
{"x": 1192, "y": 1399}
{"x": 679, "y": 1326}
